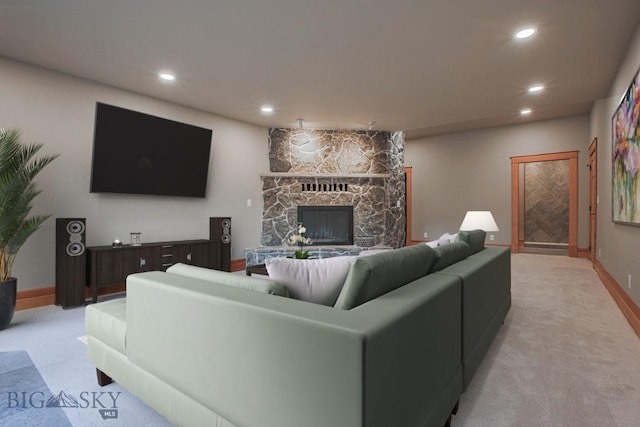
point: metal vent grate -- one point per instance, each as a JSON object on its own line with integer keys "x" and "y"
{"x": 328, "y": 187}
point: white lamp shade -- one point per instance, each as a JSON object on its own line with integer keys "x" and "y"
{"x": 479, "y": 220}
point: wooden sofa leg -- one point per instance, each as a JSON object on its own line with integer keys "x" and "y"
{"x": 453, "y": 412}
{"x": 103, "y": 379}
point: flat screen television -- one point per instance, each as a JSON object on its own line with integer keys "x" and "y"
{"x": 137, "y": 153}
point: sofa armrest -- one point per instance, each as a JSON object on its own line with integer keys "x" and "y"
{"x": 413, "y": 364}
{"x": 290, "y": 362}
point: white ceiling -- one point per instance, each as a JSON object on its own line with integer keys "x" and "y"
{"x": 422, "y": 66}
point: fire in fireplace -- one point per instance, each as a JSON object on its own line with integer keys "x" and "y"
{"x": 327, "y": 225}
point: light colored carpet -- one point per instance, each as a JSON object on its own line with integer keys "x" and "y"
{"x": 50, "y": 335}
{"x": 565, "y": 356}
{"x": 25, "y": 394}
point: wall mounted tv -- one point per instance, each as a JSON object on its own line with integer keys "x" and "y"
{"x": 137, "y": 153}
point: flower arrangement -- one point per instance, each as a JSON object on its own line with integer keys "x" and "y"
{"x": 298, "y": 239}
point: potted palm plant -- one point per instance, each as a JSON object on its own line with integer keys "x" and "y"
{"x": 18, "y": 168}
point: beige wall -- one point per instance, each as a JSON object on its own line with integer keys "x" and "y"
{"x": 618, "y": 245}
{"x": 58, "y": 111}
{"x": 463, "y": 171}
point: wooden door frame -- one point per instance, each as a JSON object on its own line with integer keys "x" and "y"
{"x": 408, "y": 170}
{"x": 572, "y": 156}
{"x": 593, "y": 198}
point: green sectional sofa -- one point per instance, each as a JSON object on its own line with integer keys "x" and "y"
{"x": 486, "y": 298}
{"x": 211, "y": 348}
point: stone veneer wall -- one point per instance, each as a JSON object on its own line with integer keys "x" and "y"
{"x": 546, "y": 202}
{"x": 311, "y": 168}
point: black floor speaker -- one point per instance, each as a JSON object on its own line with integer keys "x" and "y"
{"x": 71, "y": 261}
{"x": 220, "y": 231}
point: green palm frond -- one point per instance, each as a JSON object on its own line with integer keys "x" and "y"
{"x": 18, "y": 168}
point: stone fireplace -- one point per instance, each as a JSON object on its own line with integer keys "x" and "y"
{"x": 363, "y": 170}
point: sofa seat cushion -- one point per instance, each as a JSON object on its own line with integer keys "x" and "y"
{"x": 225, "y": 278}
{"x": 107, "y": 322}
{"x": 313, "y": 280}
{"x": 375, "y": 275}
{"x": 450, "y": 254}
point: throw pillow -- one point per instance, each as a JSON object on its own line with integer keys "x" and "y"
{"x": 312, "y": 280}
{"x": 447, "y": 238}
{"x": 432, "y": 244}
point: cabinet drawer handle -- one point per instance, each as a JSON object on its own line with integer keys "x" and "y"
{"x": 167, "y": 255}
{"x": 168, "y": 264}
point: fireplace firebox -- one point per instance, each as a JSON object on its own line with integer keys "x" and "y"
{"x": 327, "y": 225}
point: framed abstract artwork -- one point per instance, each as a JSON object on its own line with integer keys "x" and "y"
{"x": 626, "y": 156}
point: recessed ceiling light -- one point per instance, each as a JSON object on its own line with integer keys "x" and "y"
{"x": 525, "y": 111}
{"x": 535, "y": 88}
{"x": 525, "y": 33}
{"x": 266, "y": 109}
{"x": 167, "y": 76}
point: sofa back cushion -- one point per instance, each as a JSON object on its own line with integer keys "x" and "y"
{"x": 312, "y": 280}
{"x": 450, "y": 254}
{"x": 375, "y": 275}
{"x": 475, "y": 239}
{"x": 229, "y": 279}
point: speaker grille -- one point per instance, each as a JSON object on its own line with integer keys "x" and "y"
{"x": 75, "y": 249}
{"x": 75, "y": 227}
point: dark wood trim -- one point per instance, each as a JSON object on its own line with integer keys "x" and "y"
{"x": 515, "y": 208}
{"x": 32, "y": 298}
{"x": 238, "y": 264}
{"x": 593, "y": 198}
{"x": 573, "y": 204}
{"x": 572, "y": 156}
{"x": 545, "y": 157}
{"x": 630, "y": 310}
{"x": 41, "y": 297}
{"x": 408, "y": 172}
{"x": 583, "y": 253}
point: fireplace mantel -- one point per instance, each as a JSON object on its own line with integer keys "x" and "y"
{"x": 323, "y": 175}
